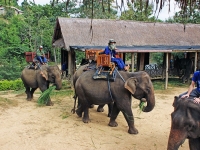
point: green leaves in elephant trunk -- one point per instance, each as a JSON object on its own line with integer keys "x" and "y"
{"x": 45, "y": 96}
{"x": 141, "y": 106}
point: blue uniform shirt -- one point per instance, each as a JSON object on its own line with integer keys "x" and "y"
{"x": 196, "y": 79}
{"x": 107, "y": 51}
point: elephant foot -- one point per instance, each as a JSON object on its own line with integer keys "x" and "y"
{"x": 100, "y": 109}
{"x": 133, "y": 131}
{"x": 113, "y": 124}
{"x": 79, "y": 112}
{"x": 92, "y": 106}
{"x": 85, "y": 119}
{"x": 29, "y": 99}
{"x": 50, "y": 103}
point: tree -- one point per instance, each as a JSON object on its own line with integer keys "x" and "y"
{"x": 139, "y": 12}
{"x": 106, "y": 5}
{"x": 190, "y": 16}
{"x": 8, "y": 2}
{"x": 96, "y": 10}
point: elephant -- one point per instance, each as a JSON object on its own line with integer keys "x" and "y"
{"x": 126, "y": 84}
{"x": 185, "y": 121}
{"x": 184, "y": 68}
{"x": 41, "y": 78}
{"x": 78, "y": 73}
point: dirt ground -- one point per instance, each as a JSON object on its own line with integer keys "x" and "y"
{"x": 29, "y": 127}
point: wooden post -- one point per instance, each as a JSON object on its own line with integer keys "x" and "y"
{"x": 141, "y": 67}
{"x": 54, "y": 50}
{"x": 69, "y": 62}
{"x": 132, "y": 62}
{"x": 195, "y": 62}
{"x": 166, "y": 73}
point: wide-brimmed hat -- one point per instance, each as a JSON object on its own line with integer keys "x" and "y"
{"x": 111, "y": 41}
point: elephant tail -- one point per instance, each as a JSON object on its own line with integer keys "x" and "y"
{"x": 75, "y": 97}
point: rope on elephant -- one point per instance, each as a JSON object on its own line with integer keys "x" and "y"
{"x": 45, "y": 96}
{"x": 120, "y": 75}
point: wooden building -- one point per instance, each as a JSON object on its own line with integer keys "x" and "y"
{"x": 143, "y": 38}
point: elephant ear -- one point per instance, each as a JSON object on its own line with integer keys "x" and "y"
{"x": 130, "y": 84}
{"x": 44, "y": 74}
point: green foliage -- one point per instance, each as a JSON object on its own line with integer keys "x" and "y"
{"x": 11, "y": 85}
{"x": 9, "y": 13}
{"x": 142, "y": 105}
{"x": 190, "y": 15}
{"x": 138, "y": 11}
{"x": 99, "y": 10}
{"x": 45, "y": 96}
{"x": 8, "y": 2}
{"x": 11, "y": 68}
{"x": 79, "y": 56}
{"x": 157, "y": 58}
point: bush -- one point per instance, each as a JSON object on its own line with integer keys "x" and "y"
{"x": 11, "y": 85}
{"x": 11, "y": 70}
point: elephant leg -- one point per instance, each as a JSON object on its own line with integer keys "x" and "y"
{"x": 113, "y": 116}
{"x": 194, "y": 144}
{"x": 32, "y": 91}
{"x": 49, "y": 102}
{"x": 86, "y": 114}
{"x": 100, "y": 108}
{"x": 110, "y": 107}
{"x": 128, "y": 114}
{"x": 79, "y": 110}
{"x": 28, "y": 93}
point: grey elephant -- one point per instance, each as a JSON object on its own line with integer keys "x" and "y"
{"x": 41, "y": 78}
{"x": 138, "y": 85}
{"x": 185, "y": 121}
{"x": 78, "y": 73}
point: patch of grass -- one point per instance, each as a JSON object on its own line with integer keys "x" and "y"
{"x": 66, "y": 84}
{"x": 19, "y": 92}
{"x": 62, "y": 93}
{"x": 65, "y": 115}
{"x": 172, "y": 82}
{"x": 6, "y": 103}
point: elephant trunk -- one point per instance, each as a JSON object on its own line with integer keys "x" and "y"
{"x": 150, "y": 98}
{"x": 176, "y": 138}
{"x": 58, "y": 84}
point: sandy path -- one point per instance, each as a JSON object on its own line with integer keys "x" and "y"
{"x": 28, "y": 126}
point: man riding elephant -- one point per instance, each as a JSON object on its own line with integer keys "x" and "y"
{"x": 40, "y": 55}
{"x": 110, "y": 50}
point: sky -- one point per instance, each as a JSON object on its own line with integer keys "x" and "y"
{"x": 163, "y": 15}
